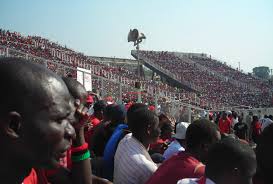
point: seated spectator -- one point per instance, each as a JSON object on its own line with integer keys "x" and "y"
{"x": 264, "y": 152}
{"x": 116, "y": 115}
{"x": 133, "y": 163}
{"x": 237, "y": 167}
{"x": 178, "y": 144}
{"x": 95, "y": 119}
{"x": 189, "y": 164}
{"x": 112, "y": 144}
{"x": 241, "y": 129}
{"x": 162, "y": 143}
{"x": 35, "y": 115}
{"x": 166, "y": 134}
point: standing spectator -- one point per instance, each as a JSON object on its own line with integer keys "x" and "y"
{"x": 241, "y": 129}
{"x": 178, "y": 144}
{"x": 238, "y": 167}
{"x": 225, "y": 124}
{"x": 266, "y": 121}
{"x": 89, "y": 104}
{"x": 256, "y": 128}
{"x": 234, "y": 119}
{"x": 133, "y": 163}
{"x": 249, "y": 125}
{"x": 189, "y": 164}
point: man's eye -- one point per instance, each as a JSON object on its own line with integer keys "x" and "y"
{"x": 60, "y": 121}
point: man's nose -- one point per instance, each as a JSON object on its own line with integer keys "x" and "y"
{"x": 70, "y": 132}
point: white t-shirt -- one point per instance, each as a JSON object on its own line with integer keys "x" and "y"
{"x": 194, "y": 181}
{"x": 133, "y": 164}
{"x": 234, "y": 122}
{"x": 172, "y": 149}
{"x": 265, "y": 122}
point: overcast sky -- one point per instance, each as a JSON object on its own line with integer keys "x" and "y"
{"x": 231, "y": 30}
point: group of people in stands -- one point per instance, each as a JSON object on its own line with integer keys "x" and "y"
{"x": 232, "y": 73}
{"x": 212, "y": 88}
{"x": 52, "y": 131}
{"x": 36, "y": 46}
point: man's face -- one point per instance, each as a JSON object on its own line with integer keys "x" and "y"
{"x": 245, "y": 177}
{"x": 205, "y": 148}
{"x": 224, "y": 116}
{"x": 47, "y": 129}
{"x": 154, "y": 131}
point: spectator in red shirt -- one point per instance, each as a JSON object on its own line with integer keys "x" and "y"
{"x": 35, "y": 116}
{"x": 95, "y": 119}
{"x": 89, "y": 101}
{"x": 256, "y": 128}
{"x": 237, "y": 167}
{"x": 199, "y": 136}
{"x": 225, "y": 124}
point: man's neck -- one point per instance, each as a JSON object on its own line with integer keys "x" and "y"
{"x": 12, "y": 170}
{"x": 143, "y": 142}
{"x": 194, "y": 154}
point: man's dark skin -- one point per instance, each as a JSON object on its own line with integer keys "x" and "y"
{"x": 36, "y": 114}
{"x": 84, "y": 167}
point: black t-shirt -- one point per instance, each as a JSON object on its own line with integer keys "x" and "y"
{"x": 240, "y": 130}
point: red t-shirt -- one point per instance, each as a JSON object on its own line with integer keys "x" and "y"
{"x": 224, "y": 125}
{"x": 158, "y": 147}
{"x": 36, "y": 177}
{"x": 257, "y": 128}
{"x": 180, "y": 166}
{"x": 31, "y": 178}
{"x": 88, "y": 133}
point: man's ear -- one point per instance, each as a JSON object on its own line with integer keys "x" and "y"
{"x": 204, "y": 146}
{"x": 13, "y": 124}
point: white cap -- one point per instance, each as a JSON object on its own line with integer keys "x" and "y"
{"x": 181, "y": 129}
{"x": 228, "y": 112}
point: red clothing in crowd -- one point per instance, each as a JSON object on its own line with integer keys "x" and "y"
{"x": 65, "y": 162}
{"x": 224, "y": 125}
{"x": 159, "y": 146}
{"x": 180, "y": 166}
{"x": 257, "y": 128}
{"x": 36, "y": 177}
{"x": 89, "y": 132}
{"x": 32, "y": 178}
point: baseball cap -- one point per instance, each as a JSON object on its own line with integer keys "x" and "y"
{"x": 181, "y": 129}
{"x": 89, "y": 99}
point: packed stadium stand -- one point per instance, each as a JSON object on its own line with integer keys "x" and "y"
{"x": 204, "y": 82}
{"x": 215, "y": 82}
{"x": 65, "y": 61}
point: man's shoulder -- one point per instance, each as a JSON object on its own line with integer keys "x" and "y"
{"x": 181, "y": 160}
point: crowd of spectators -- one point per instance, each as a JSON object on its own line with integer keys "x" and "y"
{"x": 232, "y": 73}
{"x": 38, "y": 48}
{"x": 55, "y": 132}
{"x": 211, "y": 88}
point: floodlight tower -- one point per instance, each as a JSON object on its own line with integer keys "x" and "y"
{"x": 137, "y": 37}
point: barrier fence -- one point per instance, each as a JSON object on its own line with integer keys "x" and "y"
{"x": 122, "y": 91}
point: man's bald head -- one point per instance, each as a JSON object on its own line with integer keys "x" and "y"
{"x": 25, "y": 83}
{"x": 35, "y": 113}
{"x": 75, "y": 88}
